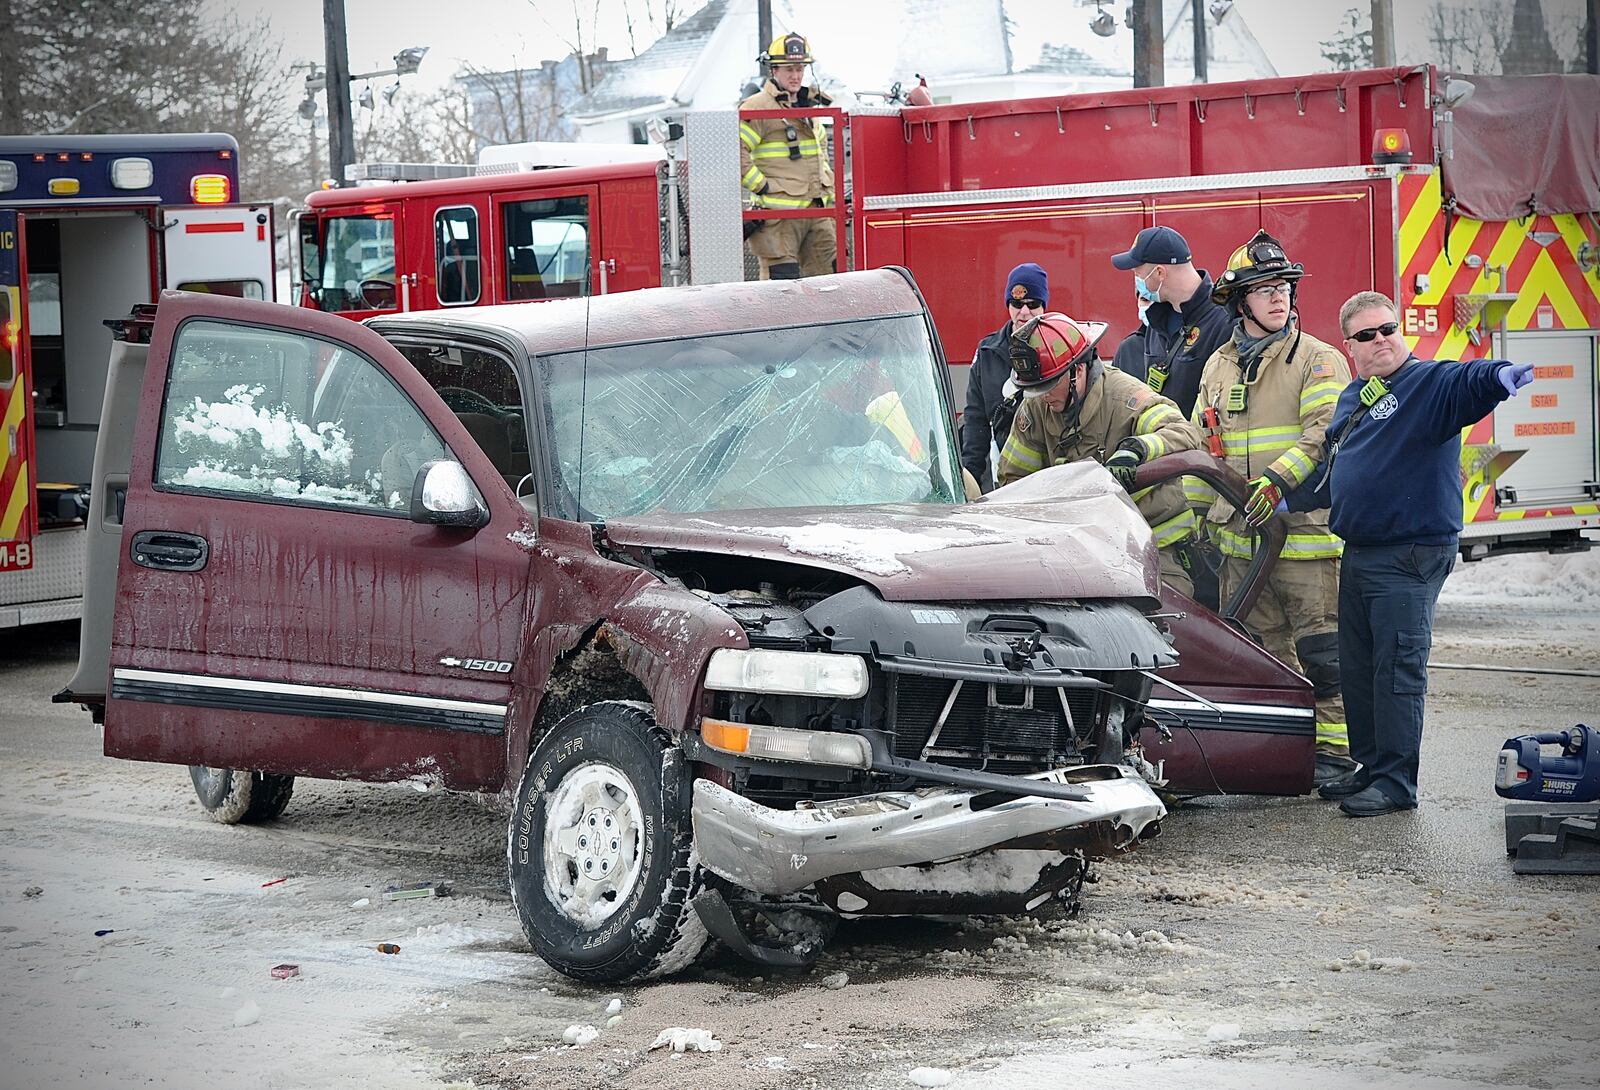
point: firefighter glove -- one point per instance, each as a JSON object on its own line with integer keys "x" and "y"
{"x": 1125, "y": 460}
{"x": 1266, "y": 492}
{"x": 1514, "y": 376}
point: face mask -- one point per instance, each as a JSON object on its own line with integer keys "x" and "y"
{"x": 1144, "y": 291}
{"x": 1143, "y": 306}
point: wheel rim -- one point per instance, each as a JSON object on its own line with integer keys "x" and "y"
{"x": 592, "y": 856}
{"x": 211, "y": 784}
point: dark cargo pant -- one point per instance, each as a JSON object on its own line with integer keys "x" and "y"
{"x": 1386, "y": 599}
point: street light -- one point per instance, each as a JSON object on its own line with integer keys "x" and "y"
{"x": 1103, "y": 24}
{"x": 1220, "y": 10}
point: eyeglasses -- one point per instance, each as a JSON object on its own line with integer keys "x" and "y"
{"x": 1269, "y": 291}
{"x": 1387, "y": 329}
{"x": 1031, "y": 304}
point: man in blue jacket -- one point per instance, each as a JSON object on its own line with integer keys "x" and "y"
{"x": 986, "y": 421}
{"x": 1392, "y": 480}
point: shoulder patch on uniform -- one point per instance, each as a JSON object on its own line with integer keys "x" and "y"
{"x": 1133, "y": 401}
{"x": 1192, "y": 338}
{"x": 1023, "y": 422}
{"x": 1322, "y": 370}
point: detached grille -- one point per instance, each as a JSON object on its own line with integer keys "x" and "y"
{"x": 1003, "y": 736}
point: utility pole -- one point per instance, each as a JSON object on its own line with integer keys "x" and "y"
{"x": 763, "y": 25}
{"x": 341, "y": 131}
{"x": 1383, "y": 33}
{"x": 1592, "y": 36}
{"x": 1149, "y": 47}
{"x": 1197, "y": 12}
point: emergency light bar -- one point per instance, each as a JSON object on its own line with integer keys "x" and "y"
{"x": 209, "y": 188}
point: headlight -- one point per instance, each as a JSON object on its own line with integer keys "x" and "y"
{"x": 797, "y": 673}
{"x": 817, "y": 747}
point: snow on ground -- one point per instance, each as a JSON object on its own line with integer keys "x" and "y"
{"x": 1571, "y": 580}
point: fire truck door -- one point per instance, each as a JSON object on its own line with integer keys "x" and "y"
{"x": 1553, "y": 421}
{"x": 17, "y": 465}
{"x": 219, "y": 250}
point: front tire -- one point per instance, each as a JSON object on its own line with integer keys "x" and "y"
{"x": 234, "y": 796}
{"x": 601, "y": 849}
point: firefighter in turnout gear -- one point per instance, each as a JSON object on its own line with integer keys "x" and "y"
{"x": 1075, "y": 407}
{"x": 1268, "y": 395}
{"x": 785, "y": 164}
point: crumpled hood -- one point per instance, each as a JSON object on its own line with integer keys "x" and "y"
{"x": 1063, "y": 533}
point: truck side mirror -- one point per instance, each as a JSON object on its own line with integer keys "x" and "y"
{"x": 444, "y": 495}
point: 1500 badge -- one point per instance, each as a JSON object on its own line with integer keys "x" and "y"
{"x": 487, "y": 666}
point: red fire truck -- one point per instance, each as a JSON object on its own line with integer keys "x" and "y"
{"x": 89, "y": 226}
{"x": 1394, "y": 179}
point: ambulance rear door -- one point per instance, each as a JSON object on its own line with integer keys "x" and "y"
{"x": 219, "y": 250}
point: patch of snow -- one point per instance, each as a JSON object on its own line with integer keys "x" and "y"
{"x": 686, "y": 1039}
{"x": 614, "y": 1007}
{"x": 870, "y": 549}
{"x": 835, "y": 981}
{"x": 1363, "y": 959}
{"x": 849, "y": 902}
{"x": 579, "y": 1035}
{"x": 363, "y": 903}
{"x": 524, "y": 537}
{"x": 1569, "y": 579}
{"x": 1223, "y": 1031}
{"x": 929, "y": 1076}
{"x": 247, "y": 1015}
{"x": 987, "y": 872}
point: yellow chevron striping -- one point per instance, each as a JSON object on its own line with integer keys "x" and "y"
{"x": 12, "y": 424}
{"x": 1544, "y": 281}
{"x": 16, "y": 507}
{"x": 1574, "y": 238}
{"x": 1418, "y": 219}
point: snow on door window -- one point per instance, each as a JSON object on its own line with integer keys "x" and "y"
{"x": 273, "y": 415}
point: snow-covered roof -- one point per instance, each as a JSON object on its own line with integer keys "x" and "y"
{"x": 866, "y": 48}
{"x": 652, "y": 79}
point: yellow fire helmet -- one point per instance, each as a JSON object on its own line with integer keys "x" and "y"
{"x": 789, "y": 48}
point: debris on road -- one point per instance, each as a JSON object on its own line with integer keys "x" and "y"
{"x": 285, "y": 971}
{"x": 33, "y": 891}
{"x": 363, "y": 903}
{"x": 686, "y": 1039}
{"x": 387, "y": 948}
{"x": 417, "y": 889}
{"x": 835, "y": 981}
{"x": 579, "y": 1035}
{"x": 104, "y": 931}
{"x": 614, "y": 1007}
{"x": 929, "y": 1076}
{"x": 274, "y": 882}
{"x": 1223, "y": 1031}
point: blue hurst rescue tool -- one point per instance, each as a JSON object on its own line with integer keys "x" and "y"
{"x": 1555, "y": 778}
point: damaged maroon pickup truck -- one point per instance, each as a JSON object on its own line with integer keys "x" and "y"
{"x": 688, "y": 576}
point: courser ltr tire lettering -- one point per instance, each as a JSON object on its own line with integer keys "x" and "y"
{"x": 606, "y": 761}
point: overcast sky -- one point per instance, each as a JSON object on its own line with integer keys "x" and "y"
{"x": 504, "y": 33}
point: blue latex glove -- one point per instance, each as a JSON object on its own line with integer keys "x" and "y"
{"x": 1514, "y": 376}
{"x": 1282, "y": 508}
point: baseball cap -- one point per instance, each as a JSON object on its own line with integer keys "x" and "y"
{"x": 1154, "y": 246}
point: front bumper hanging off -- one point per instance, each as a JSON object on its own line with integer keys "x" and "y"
{"x": 781, "y": 851}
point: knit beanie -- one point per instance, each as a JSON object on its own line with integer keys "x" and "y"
{"x": 1028, "y": 281}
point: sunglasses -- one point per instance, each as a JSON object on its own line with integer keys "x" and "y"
{"x": 1373, "y": 332}
{"x": 1031, "y": 304}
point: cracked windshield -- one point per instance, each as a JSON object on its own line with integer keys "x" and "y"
{"x": 835, "y": 415}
